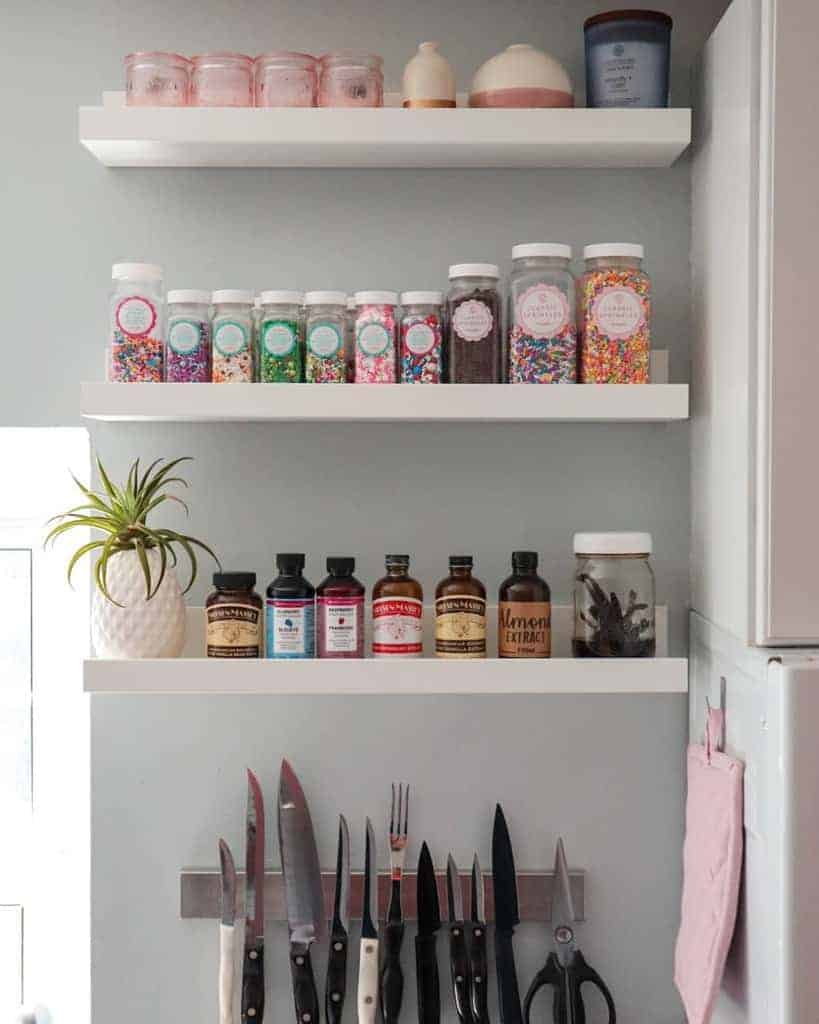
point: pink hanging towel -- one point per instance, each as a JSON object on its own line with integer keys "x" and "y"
{"x": 712, "y": 862}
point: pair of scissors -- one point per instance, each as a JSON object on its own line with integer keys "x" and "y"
{"x": 566, "y": 969}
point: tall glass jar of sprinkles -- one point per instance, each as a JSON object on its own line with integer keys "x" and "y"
{"x": 233, "y": 341}
{"x": 136, "y": 323}
{"x": 421, "y": 338}
{"x": 474, "y": 324}
{"x": 326, "y": 358}
{"x": 375, "y": 338}
{"x": 542, "y": 341}
{"x": 614, "y": 315}
{"x": 281, "y": 337}
{"x": 187, "y": 348}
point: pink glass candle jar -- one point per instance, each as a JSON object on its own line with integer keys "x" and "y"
{"x": 222, "y": 80}
{"x": 351, "y": 80}
{"x": 285, "y": 79}
{"x": 157, "y": 80}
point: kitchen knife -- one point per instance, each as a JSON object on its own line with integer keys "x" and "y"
{"x": 302, "y": 890}
{"x": 507, "y": 917}
{"x": 368, "y": 958}
{"x": 478, "y": 974}
{"x": 227, "y": 934}
{"x": 458, "y": 963}
{"x": 340, "y": 930}
{"x": 426, "y": 960}
{"x": 253, "y": 959}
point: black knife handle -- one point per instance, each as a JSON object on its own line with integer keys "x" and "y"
{"x": 253, "y": 984}
{"x": 478, "y": 980}
{"x": 459, "y": 971}
{"x": 392, "y": 974}
{"x": 508, "y": 993}
{"x": 336, "y": 977}
{"x": 305, "y": 996}
{"x": 429, "y": 992}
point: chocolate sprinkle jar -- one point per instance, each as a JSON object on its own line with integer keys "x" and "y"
{"x": 474, "y": 324}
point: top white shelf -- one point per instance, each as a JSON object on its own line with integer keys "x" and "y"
{"x": 121, "y": 136}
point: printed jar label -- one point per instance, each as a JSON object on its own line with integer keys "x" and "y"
{"x": 543, "y": 311}
{"x": 460, "y": 627}
{"x": 136, "y": 316}
{"x": 234, "y": 631}
{"x": 290, "y": 628}
{"x": 183, "y": 336}
{"x": 278, "y": 337}
{"x": 419, "y": 339}
{"x": 230, "y": 337}
{"x": 373, "y": 339}
{"x": 473, "y": 320}
{"x": 524, "y": 629}
{"x": 324, "y": 340}
{"x": 342, "y": 622}
{"x": 618, "y": 312}
{"x": 397, "y": 627}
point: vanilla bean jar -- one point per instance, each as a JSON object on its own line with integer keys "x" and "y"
{"x": 234, "y": 617}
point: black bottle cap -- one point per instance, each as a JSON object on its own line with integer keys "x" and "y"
{"x": 234, "y": 580}
{"x": 290, "y": 562}
{"x": 460, "y": 561}
{"x": 397, "y": 560}
{"x": 524, "y": 560}
{"x": 341, "y": 565}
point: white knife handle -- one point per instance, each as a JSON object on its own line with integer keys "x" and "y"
{"x": 368, "y": 981}
{"x": 227, "y": 972}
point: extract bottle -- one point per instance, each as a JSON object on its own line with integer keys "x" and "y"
{"x": 398, "y": 608}
{"x": 460, "y": 612}
{"x": 340, "y": 607}
{"x": 233, "y": 615}
{"x": 524, "y": 611}
{"x": 290, "y": 619}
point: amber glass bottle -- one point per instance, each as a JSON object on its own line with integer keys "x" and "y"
{"x": 234, "y": 615}
{"x": 460, "y": 612}
{"x": 398, "y": 609}
{"x": 524, "y": 611}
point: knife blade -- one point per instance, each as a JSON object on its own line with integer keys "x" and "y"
{"x": 507, "y": 917}
{"x": 253, "y": 959}
{"x": 478, "y": 974}
{"x": 302, "y": 889}
{"x": 336, "y": 986}
{"x": 227, "y": 934}
{"x": 368, "y": 958}
{"x": 458, "y": 963}
{"x": 426, "y": 960}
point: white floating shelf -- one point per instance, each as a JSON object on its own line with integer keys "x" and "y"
{"x": 490, "y": 403}
{"x": 122, "y": 136}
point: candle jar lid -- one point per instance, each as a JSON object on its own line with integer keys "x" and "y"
{"x": 352, "y": 59}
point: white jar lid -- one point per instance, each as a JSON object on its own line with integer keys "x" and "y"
{"x": 527, "y": 250}
{"x": 422, "y": 298}
{"x": 136, "y": 271}
{"x": 283, "y": 296}
{"x": 593, "y": 252}
{"x": 325, "y": 299}
{"x": 193, "y": 296}
{"x": 236, "y": 295}
{"x": 350, "y": 302}
{"x": 474, "y": 270}
{"x": 376, "y": 298}
{"x": 612, "y": 544}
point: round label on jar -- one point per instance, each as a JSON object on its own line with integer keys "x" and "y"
{"x": 136, "y": 315}
{"x": 543, "y": 311}
{"x": 278, "y": 338}
{"x": 420, "y": 339}
{"x": 618, "y": 312}
{"x": 473, "y": 320}
{"x": 373, "y": 339}
{"x": 183, "y": 336}
{"x": 230, "y": 337}
{"x": 324, "y": 340}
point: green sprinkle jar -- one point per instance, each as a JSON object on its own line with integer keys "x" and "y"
{"x": 281, "y": 337}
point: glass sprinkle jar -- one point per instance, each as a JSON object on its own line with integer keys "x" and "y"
{"x": 542, "y": 342}
{"x": 187, "y": 347}
{"x": 326, "y": 358}
{"x": 473, "y": 324}
{"x": 613, "y": 596}
{"x": 222, "y": 79}
{"x": 614, "y": 315}
{"x": 136, "y": 348}
{"x": 233, "y": 338}
{"x": 281, "y": 337}
{"x": 421, "y": 338}
{"x": 157, "y": 79}
{"x": 375, "y": 341}
{"x": 234, "y": 616}
{"x": 285, "y": 79}
{"x": 348, "y": 79}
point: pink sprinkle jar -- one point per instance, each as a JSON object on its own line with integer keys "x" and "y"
{"x": 156, "y": 79}
{"x": 285, "y": 79}
{"x": 351, "y": 80}
{"x": 222, "y": 79}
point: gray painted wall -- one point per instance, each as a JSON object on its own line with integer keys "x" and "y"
{"x": 168, "y": 773}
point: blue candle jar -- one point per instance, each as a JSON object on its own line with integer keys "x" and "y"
{"x": 627, "y": 59}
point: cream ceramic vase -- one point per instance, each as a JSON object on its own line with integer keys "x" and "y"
{"x": 140, "y": 628}
{"x": 521, "y": 76}
{"x": 428, "y": 79}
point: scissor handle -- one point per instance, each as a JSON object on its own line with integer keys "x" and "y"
{"x": 552, "y": 973}
{"x": 579, "y": 973}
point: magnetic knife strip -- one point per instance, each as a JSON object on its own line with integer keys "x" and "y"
{"x": 200, "y": 893}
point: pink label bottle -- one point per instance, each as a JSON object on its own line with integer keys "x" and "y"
{"x": 340, "y": 611}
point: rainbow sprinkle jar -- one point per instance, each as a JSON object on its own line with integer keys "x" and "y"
{"x": 376, "y": 360}
{"x": 136, "y": 318}
{"x": 421, "y": 338}
{"x": 187, "y": 350}
{"x": 542, "y": 342}
{"x": 234, "y": 359}
{"x": 614, "y": 315}
{"x": 326, "y": 356}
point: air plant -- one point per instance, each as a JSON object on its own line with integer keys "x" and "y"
{"x": 616, "y": 631}
{"x": 122, "y": 513}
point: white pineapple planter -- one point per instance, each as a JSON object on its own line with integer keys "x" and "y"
{"x": 140, "y": 628}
